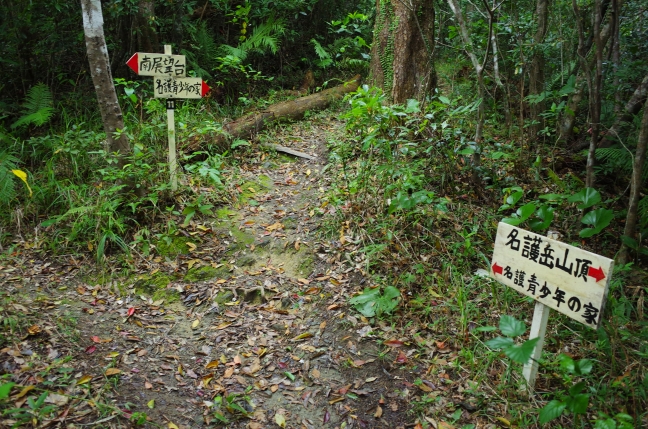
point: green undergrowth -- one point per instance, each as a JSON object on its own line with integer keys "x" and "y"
{"x": 415, "y": 220}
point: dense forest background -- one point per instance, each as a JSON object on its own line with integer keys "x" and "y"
{"x": 471, "y": 112}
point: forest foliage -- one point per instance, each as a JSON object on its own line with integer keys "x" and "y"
{"x": 542, "y": 81}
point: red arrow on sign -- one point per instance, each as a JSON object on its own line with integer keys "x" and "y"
{"x": 132, "y": 63}
{"x": 497, "y": 269}
{"x": 597, "y": 273}
{"x": 204, "y": 89}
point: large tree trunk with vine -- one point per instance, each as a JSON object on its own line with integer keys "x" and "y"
{"x": 403, "y": 49}
{"x": 111, "y": 113}
{"x": 635, "y": 187}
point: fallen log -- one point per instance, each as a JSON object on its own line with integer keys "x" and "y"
{"x": 249, "y": 125}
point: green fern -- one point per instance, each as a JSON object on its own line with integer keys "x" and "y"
{"x": 324, "y": 57}
{"x": 615, "y": 160}
{"x": 642, "y": 212}
{"x": 37, "y": 108}
{"x": 205, "y": 51}
{"x": 8, "y": 162}
{"x": 265, "y": 38}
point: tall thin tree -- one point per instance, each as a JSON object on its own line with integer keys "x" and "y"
{"x": 111, "y": 113}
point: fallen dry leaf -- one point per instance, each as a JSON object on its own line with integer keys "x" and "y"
{"x": 379, "y": 412}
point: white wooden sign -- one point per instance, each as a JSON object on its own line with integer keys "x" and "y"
{"x": 565, "y": 278}
{"x": 169, "y": 82}
{"x": 157, "y": 64}
{"x": 174, "y": 87}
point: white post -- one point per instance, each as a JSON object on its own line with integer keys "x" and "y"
{"x": 538, "y": 330}
{"x": 173, "y": 163}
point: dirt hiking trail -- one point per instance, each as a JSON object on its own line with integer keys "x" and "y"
{"x": 243, "y": 323}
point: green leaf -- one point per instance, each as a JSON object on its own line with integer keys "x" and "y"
{"x": 240, "y": 142}
{"x": 577, "y": 404}
{"x": 514, "y": 197}
{"x": 567, "y": 364}
{"x": 599, "y": 218}
{"x": 605, "y": 424}
{"x": 466, "y": 151}
{"x": 544, "y": 216}
{"x": 486, "y": 329}
{"x": 498, "y": 343}
{"x": 552, "y": 197}
{"x": 587, "y": 197}
{"x": 290, "y": 375}
{"x": 522, "y": 353}
{"x": 238, "y": 408}
{"x": 511, "y": 327}
{"x": 5, "y": 389}
{"x": 576, "y": 388}
{"x": 412, "y": 106}
{"x": 444, "y": 100}
{"x": 371, "y": 303}
{"x": 525, "y": 211}
{"x": 221, "y": 418}
{"x": 584, "y": 367}
{"x": 551, "y": 411}
{"x": 512, "y": 221}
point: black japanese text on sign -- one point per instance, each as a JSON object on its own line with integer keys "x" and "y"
{"x": 157, "y": 64}
{"x": 563, "y": 277}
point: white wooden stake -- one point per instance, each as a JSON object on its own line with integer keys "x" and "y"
{"x": 173, "y": 163}
{"x": 538, "y": 330}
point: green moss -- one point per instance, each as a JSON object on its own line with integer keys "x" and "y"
{"x": 223, "y": 296}
{"x": 148, "y": 284}
{"x": 169, "y": 295}
{"x": 156, "y": 287}
{"x": 176, "y": 246}
{"x": 384, "y": 16}
{"x": 226, "y": 214}
{"x": 305, "y": 267}
{"x": 251, "y": 189}
{"x": 205, "y": 273}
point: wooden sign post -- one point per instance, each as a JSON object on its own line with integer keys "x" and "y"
{"x": 169, "y": 82}
{"x": 556, "y": 275}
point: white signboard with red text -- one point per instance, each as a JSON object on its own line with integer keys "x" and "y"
{"x": 565, "y": 278}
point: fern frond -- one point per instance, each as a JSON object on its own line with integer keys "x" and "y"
{"x": 205, "y": 50}
{"x": 615, "y": 158}
{"x": 8, "y": 162}
{"x": 265, "y": 37}
{"x": 320, "y": 51}
{"x": 37, "y": 108}
{"x": 642, "y": 212}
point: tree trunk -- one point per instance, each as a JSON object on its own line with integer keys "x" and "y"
{"x": 247, "y": 126}
{"x": 111, "y": 113}
{"x": 632, "y": 107}
{"x": 536, "y": 74}
{"x": 147, "y": 39}
{"x": 635, "y": 187}
{"x": 568, "y": 120}
{"x": 479, "y": 70}
{"x": 403, "y": 48}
